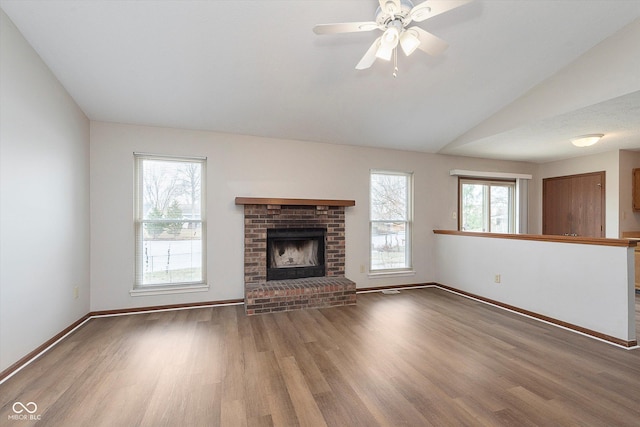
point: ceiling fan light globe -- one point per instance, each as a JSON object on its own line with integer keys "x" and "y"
{"x": 384, "y": 52}
{"x": 388, "y": 42}
{"x": 391, "y": 36}
{"x": 409, "y": 42}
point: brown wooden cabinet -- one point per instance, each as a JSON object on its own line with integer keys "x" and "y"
{"x": 636, "y": 189}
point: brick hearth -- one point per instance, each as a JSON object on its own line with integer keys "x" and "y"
{"x": 262, "y": 296}
{"x": 295, "y": 294}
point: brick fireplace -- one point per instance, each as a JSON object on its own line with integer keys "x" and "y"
{"x": 329, "y": 290}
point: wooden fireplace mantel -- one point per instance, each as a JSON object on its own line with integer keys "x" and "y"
{"x": 292, "y": 202}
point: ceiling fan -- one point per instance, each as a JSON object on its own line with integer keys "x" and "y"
{"x": 393, "y": 17}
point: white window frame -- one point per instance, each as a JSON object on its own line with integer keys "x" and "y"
{"x": 408, "y": 222}
{"x": 512, "y": 205}
{"x": 139, "y": 288}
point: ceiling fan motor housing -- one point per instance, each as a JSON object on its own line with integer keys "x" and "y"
{"x": 390, "y": 14}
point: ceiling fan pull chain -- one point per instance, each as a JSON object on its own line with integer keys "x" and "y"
{"x": 395, "y": 62}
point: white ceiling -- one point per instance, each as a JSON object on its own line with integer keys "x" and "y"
{"x": 255, "y": 67}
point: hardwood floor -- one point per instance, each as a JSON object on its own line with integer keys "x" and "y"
{"x": 421, "y": 357}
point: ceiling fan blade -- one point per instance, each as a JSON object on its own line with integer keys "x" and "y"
{"x": 431, "y": 8}
{"x": 390, "y": 6}
{"x": 346, "y": 27}
{"x": 370, "y": 57}
{"x": 429, "y": 43}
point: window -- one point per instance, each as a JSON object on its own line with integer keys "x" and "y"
{"x": 390, "y": 221}
{"x": 169, "y": 225}
{"x": 487, "y": 206}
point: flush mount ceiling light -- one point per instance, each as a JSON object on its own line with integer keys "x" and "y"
{"x": 586, "y": 140}
{"x": 393, "y": 17}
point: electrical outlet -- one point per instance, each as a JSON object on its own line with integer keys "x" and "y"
{"x": 361, "y": 268}
{"x": 497, "y": 278}
{"x": 76, "y": 292}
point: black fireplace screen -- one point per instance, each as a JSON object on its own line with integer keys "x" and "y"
{"x": 295, "y": 253}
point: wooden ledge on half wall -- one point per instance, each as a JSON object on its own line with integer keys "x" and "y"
{"x": 292, "y": 202}
{"x": 601, "y": 241}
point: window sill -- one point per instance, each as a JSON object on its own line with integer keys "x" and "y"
{"x": 395, "y": 273}
{"x": 169, "y": 289}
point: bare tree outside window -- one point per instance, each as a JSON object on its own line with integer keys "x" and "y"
{"x": 390, "y": 220}
{"x": 160, "y": 185}
{"x": 388, "y": 197}
{"x": 190, "y": 183}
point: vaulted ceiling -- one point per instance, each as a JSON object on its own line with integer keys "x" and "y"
{"x": 518, "y": 80}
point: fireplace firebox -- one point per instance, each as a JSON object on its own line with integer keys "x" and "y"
{"x": 294, "y": 253}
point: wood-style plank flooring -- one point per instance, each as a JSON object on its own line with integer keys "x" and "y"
{"x": 419, "y": 358}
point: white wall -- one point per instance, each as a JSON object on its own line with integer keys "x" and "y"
{"x": 586, "y": 285}
{"x": 608, "y": 162}
{"x": 257, "y": 167}
{"x": 44, "y": 202}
